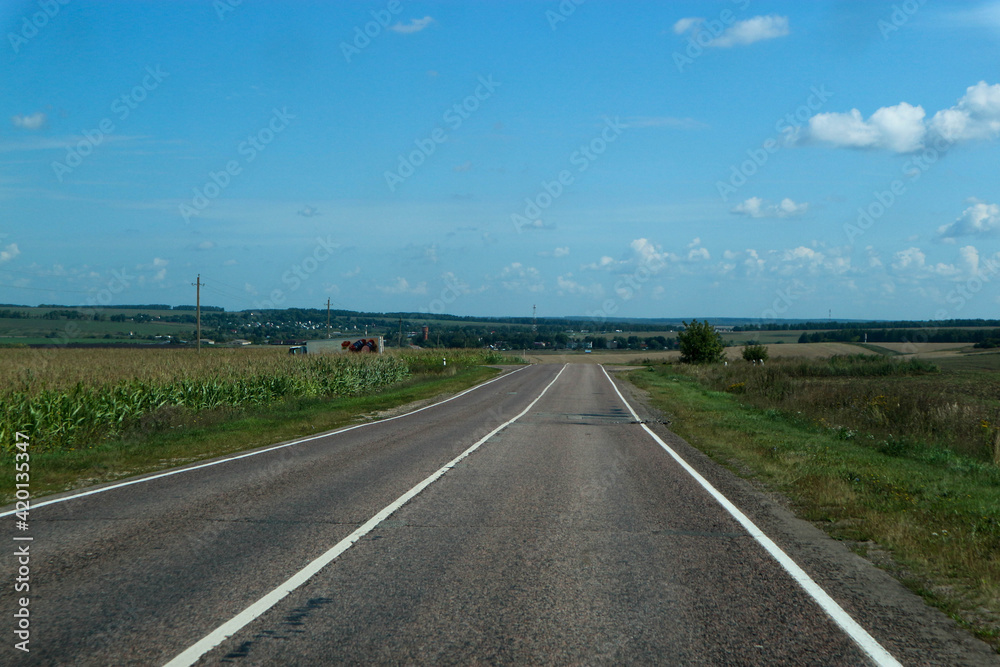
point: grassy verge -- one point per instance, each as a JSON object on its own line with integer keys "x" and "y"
{"x": 934, "y": 511}
{"x": 181, "y": 436}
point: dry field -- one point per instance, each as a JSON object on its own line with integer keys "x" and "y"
{"x": 776, "y": 351}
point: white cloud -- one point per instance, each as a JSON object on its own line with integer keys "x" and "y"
{"x": 599, "y": 265}
{"x": 566, "y": 285}
{"x": 402, "y": 286}
{"x": 686, "y": 24}
{"x": 561, "y": 251}
{"x": 752, "y": 30}
{"x": 35, "y": 121}
{"x": 740, "y": 33}
{"x": 9, "y": 253}
{"x": 517, "y": 277}
{"x": 898, "y": 128}
{"x": 696, "y": 254}
{"x": 353, "y": 272}
{"x": 160, "y": 265}
{"x": 980, "y": 219}
{"x": 649, "y": 254}
{"x": 911, "y": 258}
{"x": 975, "y": 116}
{"x": 903, "y": 128}
{"x": 968, "y": 259}
{"x": 415, "y": 25}
{"x": 755, "y": 207}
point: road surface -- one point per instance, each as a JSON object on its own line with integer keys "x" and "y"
{"x": 568, "y": 535}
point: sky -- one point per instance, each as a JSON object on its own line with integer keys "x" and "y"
{"x": 739, "y": 158}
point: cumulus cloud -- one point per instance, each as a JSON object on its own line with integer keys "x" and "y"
{"x": 740, "y": 33}
{"x": 649, "y": 254}
{"x": 415, "y": 25}
{"x": 752, "y": 30}
{"x": 9, "y": 253}
{"x": 402, "y": 286}
{"x": 603, "y": 263}
{"x": 898, "y": 128}
{"x": 755, "y": 207}
{"x": 517, "y": 277}
{"x": 979, "y": 219}
{"x": 566, "y": 285}
{"x": 561, "y": 251}
{"x": 975, "y": 116}
{"x": 35, "y": 121}
{"x": 904, "y": 128}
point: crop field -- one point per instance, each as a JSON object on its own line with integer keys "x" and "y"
{"x": 36, "y": 331}
{"x": 69, "y": 398}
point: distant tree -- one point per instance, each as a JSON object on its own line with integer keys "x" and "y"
{"x": 754, "y": 352}
{"x": 700, "y": 343}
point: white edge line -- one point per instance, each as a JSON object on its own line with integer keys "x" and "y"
{"x": 234, "y": 625}
{"x": 179, "y": 471}
{"x": 860, "y": 636}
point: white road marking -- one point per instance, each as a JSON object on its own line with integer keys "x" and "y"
{"x": 199, "y": 466}
{"x": 865, "y": 641}
{"x": 231, "y": 627}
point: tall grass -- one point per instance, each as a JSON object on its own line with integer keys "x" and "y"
{"x": 897, "y": 406}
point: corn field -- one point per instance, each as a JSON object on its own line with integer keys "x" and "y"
{"x": 66, "y": 398}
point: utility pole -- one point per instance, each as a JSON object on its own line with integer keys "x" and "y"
{"x": 534, "y": 321}
{"x": 197, "y": 297}
{"x": 399, "y": 343}
{"x": 327, "y": 317}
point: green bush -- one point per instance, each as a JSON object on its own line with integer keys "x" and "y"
{"x": 700, "y": 343}
{"x": 755, "y": 352}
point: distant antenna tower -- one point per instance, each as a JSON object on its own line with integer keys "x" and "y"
{"x": 534, "y": 320}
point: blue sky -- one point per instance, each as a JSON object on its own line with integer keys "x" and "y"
{"x": 639, "y": 159}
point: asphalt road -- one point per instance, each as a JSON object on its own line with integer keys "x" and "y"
{"x": 568, "y": 537}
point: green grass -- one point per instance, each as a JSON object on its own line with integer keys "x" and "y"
{"x": 35, "y": 331}
{"x": 936, "y": 511}
{"x": 182, "y": 436}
